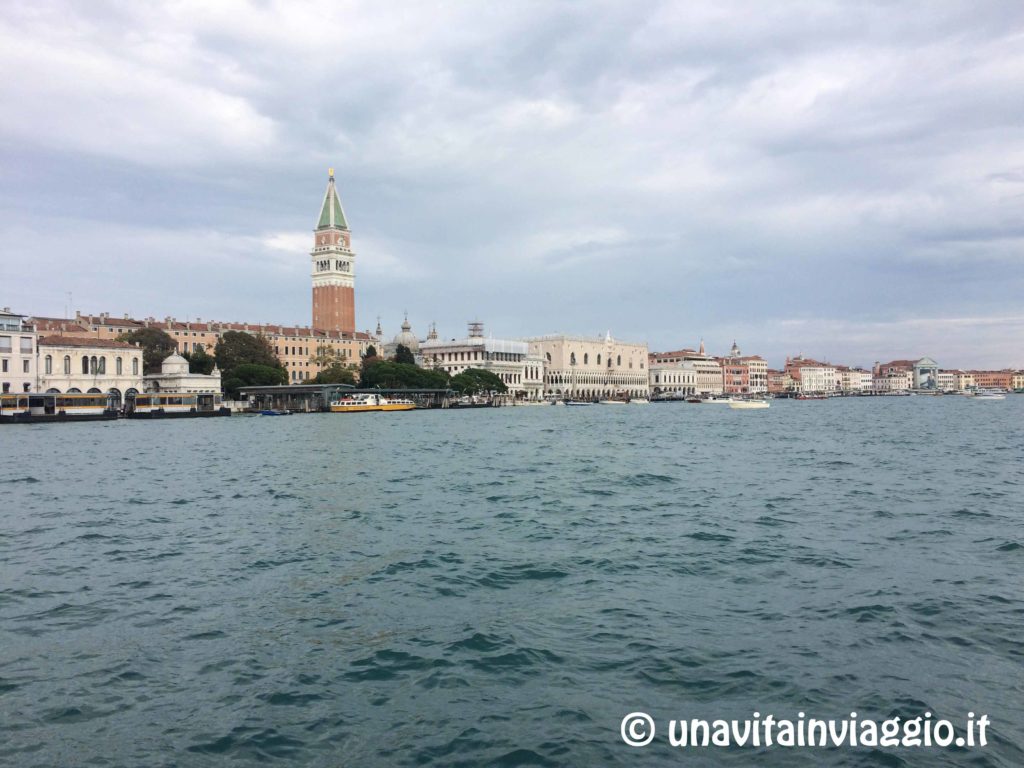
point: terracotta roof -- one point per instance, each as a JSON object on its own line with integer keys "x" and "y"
{"x": 79, "y": 341}
{"x": 58, "y": 324}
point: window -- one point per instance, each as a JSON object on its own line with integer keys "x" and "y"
{"x": 7, "y": 385}
{"x": 24, "y": 366}
{"x": 49, "y": 364}
{"x": 135, "y": 367}
{"x": 586, "y": 358}
{"x": 26, "y": 345}
{"x": 67, "y": 365}
{"x": 618, "y": 359}
{"x": 118, "y": 367}
{"x": 598, "y": 359}
{"x": 103, "y": 365}
{"x": 5, "y": 343}
{"x": 85, "y": 364}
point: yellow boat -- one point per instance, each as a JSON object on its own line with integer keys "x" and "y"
{"x": 364, "y": 402}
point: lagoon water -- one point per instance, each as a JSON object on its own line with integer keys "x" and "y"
{"x": 500, "y": 587}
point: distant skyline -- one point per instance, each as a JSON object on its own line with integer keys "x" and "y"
{"x": 844, "y": 181}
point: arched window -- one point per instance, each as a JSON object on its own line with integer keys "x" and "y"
{"x": 549, "y": 357}
{"x": 94, "y": 365}
{"x": 85, "y": 364}
{"x": 135, "y": 366}
{"x": 103, "y": 364}
{"x": 586, "y": 358}
{"x": 598, "y": 359}
{"x": 67, "y": 365}
{"x": 49, "y": 363}
{"x": 119, "y": 367}
{"x": 618, "y": 359}
{"x": 572, "y": 358}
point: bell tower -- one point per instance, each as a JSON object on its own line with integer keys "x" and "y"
{"x": 334, "y": 267}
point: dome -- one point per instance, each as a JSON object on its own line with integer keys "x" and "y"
{"x": 407, "y": 338}
{"x": 174, "y": 364}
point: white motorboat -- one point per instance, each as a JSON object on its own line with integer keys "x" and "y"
{"x": 744, "y": 405}
{"x": 988, "y": 394}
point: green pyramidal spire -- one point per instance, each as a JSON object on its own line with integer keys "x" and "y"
{"x": 331, "y": 213}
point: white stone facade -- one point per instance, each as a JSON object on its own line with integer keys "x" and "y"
{"x": 72, "y": 364}
{"x": 174, "y": 378}
{"x": 507, "y": 359}
{"x": 18, "y": 349}
{"x": 589, "y": 367}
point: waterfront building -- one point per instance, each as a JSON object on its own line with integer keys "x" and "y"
{"x": 852, "y": 379}
{"x": 811, "y": 376}
{"x": 304, "y": 351}
{"x": 993, "y": 379}
{"x": 507, "y": 359}
{"x": 71, "y": 364}
{"x": 744, "y": 375}
{"x": 946, "y": 381}
{"x": 895, "y": 380}
{"x": 588, "y": 367}
{"x": 678, "y": 379}
{"x": 18, "y": 345}
{"x": 923, "y": 372}
{"x": 964, "y": 380}
{"x": 926, "y": 372}
{"x": 1018, "y": 380}
{"x": 175, "y": 378}
{"x": 689, "y": 372}
{"x": 779, "y": 382}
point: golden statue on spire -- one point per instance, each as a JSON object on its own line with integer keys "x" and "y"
{"x": 330, "y": 172}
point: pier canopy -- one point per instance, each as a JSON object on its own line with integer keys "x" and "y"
{"x": 312, "y": 398}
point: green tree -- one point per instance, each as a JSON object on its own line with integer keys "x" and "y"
{"x": 237, "y": 348}
{"x": 199, "y": 361}
{"x": 404, "y": 355}
{"x": 325, "y": 356}
{"x": 252, "y": 375}
{"x": 156, "y": 345}
{"x": 336, "y": 374}
{"x": 371, "y": 351}
{"x": 475, "y": 380}
{"x": 390, "y": 375}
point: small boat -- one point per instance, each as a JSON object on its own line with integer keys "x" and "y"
{"x": 811, "y": 397}
{"x": 578, "y": 402}
{"x": 639, "y": 401}
{"x": 743, "y": 405}
{"x": 365, "y": 402}
{"x": 274, "y": 412}
{"x": 694, "y": 400}
{"x": 988, "y": 394}
{"x": 719, "y": 400}
{"x": 611, "y": 402}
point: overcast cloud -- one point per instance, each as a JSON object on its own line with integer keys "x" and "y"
{"x": 843, "y": 180}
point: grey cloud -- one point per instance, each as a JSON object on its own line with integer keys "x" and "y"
{"x": 666, "y": 171}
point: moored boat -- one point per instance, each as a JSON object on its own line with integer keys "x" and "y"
{"x": 743, "y": 405}
{"x": 365, "y": 402}
{"x": 988, "y": 394}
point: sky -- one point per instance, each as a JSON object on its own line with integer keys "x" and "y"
{"x": 839, "y": 180}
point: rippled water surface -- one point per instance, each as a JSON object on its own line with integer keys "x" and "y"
{"x": 500, "y": 587}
